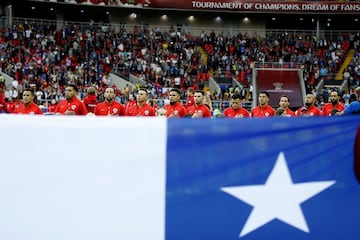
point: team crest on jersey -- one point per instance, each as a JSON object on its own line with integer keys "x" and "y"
{"x": 73, "y": 107}
{"x": 115, "y": 110}
{"x": 146, "y": 112}
{"x": 266, "y": 114}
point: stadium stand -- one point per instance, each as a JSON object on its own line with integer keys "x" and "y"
{"x": 44, "y": 56}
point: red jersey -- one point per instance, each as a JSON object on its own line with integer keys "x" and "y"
{"x": 2, "y": 102}
{"x": 201, "y": 110}
{"x": 232, "y": 113}
{"x": 259, "y": 112}
{"x": 90, "y": 102}
{"x": 309, "y": 111}
{"x": 10, "y": 107}
{"x": 190, "y": 102}
{"x": 112, "y": 109}
{"x": 51, "y": 108}
{"x": 129, "y": 104}
{"x": 146, "y": 110}
{"x": 329, "y": 107}
{"x": 176, "y": 109}
{"x": 31, "y": 109}
{"x": 74, "y": 105}
{"x": 289, "y": 112}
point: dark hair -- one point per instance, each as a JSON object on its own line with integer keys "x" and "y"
{"x": 74, "y": 86}
{"x": 285, "y": 96}
{"x": 352, "y": 98}
{"x": 335, "y": 90}
{"x": 29, "y": 90}
{"x": 143, "y": 89}
{"x": 265, "y": 92}
{"x": 236, "y": 96}
{"x": 175, "y": 90}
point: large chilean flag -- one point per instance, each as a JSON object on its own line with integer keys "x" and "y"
{"x": 150, "y": 178}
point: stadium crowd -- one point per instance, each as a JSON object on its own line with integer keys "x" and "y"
{"x": 45, "y": 61}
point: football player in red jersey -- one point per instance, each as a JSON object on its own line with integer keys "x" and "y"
{"x": 263, "y": 109}
{"x": 175, "y": 108}
{"x": 109, "y": 107}
{"x": 141, "y": 108}
{"x": 28, "y": 106}
{"x": 199, "y": 109}
{"x": 71, "y": 105}
{"x": 236, "y": 110}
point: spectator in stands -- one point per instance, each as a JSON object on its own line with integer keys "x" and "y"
{"x": 60, "y": 55}
{"x": 175, "y": 108}
{"x": 190, "y": 95}
{"x": 236, "y": 110}
{"x": 141, "y": 109}
{"x": 354, "y": 107}
{"x": 109, "y": 107}
{"x": 309, "y": 109}
{"x": 285, "y": 103}
{"x": 91, "y": 100}
{"x": 199, "y": 109}
{"x": 263, "y": 109}
{"x": 71, "y": 105}
{"x": 28, "y": 106}
{"x": 334, "y": 105}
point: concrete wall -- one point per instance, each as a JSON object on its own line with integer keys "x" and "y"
{"x": 193, "y": 22}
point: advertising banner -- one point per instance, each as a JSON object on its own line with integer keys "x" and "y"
{"x": 278, "y": 82}
{"x": 230, "y": 5}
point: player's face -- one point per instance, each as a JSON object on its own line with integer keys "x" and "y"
{"x": 109, "y": 94}
{"x": 284, "y": 102}
{"x": 28, "y": 97}
{"x": 198, "y": 98}
{"x": 309, "y": 100}
{"x": 263, "y": 99}
{"x": 141, "y": 96}
{"x": 69, "y": 93}
{"x": 334, "y": 97}
{"x": 174, "y": 97}
{"x": 235, "y": 103}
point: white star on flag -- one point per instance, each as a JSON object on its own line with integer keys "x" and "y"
{"x": 279, "y": 198}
